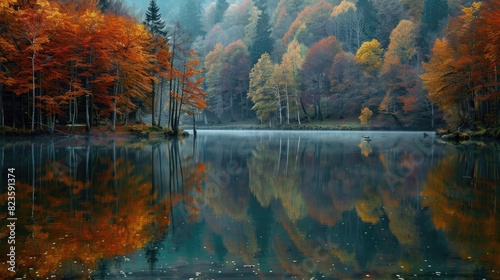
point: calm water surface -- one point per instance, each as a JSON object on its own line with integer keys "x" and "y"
{"x": 253, "y": 205}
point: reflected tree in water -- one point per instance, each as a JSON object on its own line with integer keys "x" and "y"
{"x": 92, "y": 204}
{"x": 460, "y": 193}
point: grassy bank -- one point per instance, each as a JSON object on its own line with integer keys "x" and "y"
{"x": 312, "y": 125}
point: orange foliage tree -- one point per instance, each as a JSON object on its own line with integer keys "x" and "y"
{"x": 81, "y": 60}
{"x": 461, "y": 74}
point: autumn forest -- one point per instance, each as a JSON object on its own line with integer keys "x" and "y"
{"x": 394, "y": 64}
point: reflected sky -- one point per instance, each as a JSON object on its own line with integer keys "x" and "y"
{"x": 254, "y": 205}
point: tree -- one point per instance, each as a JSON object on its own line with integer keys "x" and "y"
{"x": 457, "y": 74}
{"x": 37, "y": 24}
{"x": 131, "y": 65}
{"x": 317, "y": 65}
{"x": 261, "y": 92}
{"x": 347, "y": 25}
{"x": 398, "y": 71}
{"x": 489, "y": 20}
{"x": 262, "y": 42}
{"x": 402, "y": 46}
{"x": 153, "y": 19}
{"x": 194, "y": 98}
{"x": 7, "y": 49}
{"x": 213, "y": 77}
{"x": 184, "y": 80}
{"x": 190, "y": 18}
{"x": 291, "y": 64}
{"x": 345, "y": 84}
{"x": 286, "y": 12}
{"x": 156, "y": 27}
{"x": 369, "y": 16}
{"x": 220, "y": 8}
{"x": 414, "y": 8}
{"x": 235, "y": 70}
{"x": 369, "y": 56}
{"x": 365, "y": 116}
{"x": 389, "y": 13}
{"x": 434, "y": 12}
{"x": 311, "y": 25}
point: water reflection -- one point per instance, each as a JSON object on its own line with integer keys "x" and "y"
{"x": 82, "y": 203}
{"x": 257, "y": 205}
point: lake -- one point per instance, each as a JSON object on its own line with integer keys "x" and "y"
{"x": 251, "y": 205}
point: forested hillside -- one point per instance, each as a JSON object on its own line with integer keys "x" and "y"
{"x": 392, "y": 63}
{"x": 397, "y": 64}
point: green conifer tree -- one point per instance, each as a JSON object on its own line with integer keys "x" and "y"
{"x": 190, "y": 18}
{"x": 153, "y": 20}
{"x": 263, "y": 42}
{"x": 220, "y": 9}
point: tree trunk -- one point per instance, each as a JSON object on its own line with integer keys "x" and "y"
{"x": 113, "y": 124}
{"x": 115, "y": 93}
{"x": 298, "y": 111}
{"x": 194, "y": 125}
{"x": 497, "y": 110}
{"x": 75, "y": 111}
{"x": 153, "y": 102}
{"x": 14, "y": 110}
{"x": 40, "y": 119}
{"x": 303, "y": 106}
{"x": 279, "y": 104}
{"x": 287, "y": 105}
{"x": 2, "y": 115}
{"x": 160, "y": 110}
{"x": 33, "y": 91}
{"x": 87, "y": 113}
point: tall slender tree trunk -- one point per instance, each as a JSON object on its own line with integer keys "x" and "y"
{"x": 298, "y": 110}
{"x": 280, "y": 108}
{"x": 160, "y": 109}
{"x": 87, "y": 113}
{"x": 2, "y": 114}
{"x": 33, "y": 92}
{"x": 39, "y": 110}
{"x": 153, "y": 103}
{"x": 194, "y": 125}
{"x": 497, "y": 105}
{"x": 115, "y": 94}
{"x": 75, "y": 111}
{"x": 287, "y": 105}
{"x": 14, "y": 110}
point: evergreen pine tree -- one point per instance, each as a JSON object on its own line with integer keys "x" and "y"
{"x": 191, "y": 18}
{"x": 220, "y": 9}
{"x": 157, "y": 27}
{"x": 263, "y": 42}
{"x": 366, "y": 8}
{"x": 153, "y": 20}
{"x": 434, "y": 12}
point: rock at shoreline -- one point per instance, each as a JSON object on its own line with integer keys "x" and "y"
{"x": 456, "y": 136}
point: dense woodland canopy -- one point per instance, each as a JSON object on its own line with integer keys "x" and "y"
{"x": 392, "y": 63}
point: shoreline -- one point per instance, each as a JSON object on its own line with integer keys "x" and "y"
{"x": 142, "y": 131}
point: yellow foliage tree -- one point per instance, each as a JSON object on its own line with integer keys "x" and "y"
{"x": 365, "y": 116}
{"x": 369, "y": 56}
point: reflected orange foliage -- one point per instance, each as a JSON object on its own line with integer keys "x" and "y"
{"x": 458, "y": 204}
